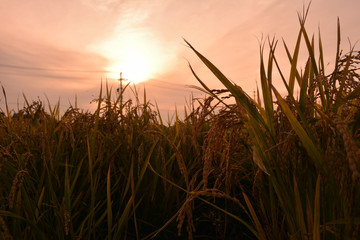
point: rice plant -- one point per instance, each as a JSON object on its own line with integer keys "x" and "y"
{"x": 305, "y": 146}
{"x": 268, "y": 167}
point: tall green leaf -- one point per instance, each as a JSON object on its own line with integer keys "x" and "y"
{"x": 316, "y": 228}
{"x": 237, "y": 92}
{"x": 109, "y": 203}
{"x": 308, "y": 144}
{"x": 293, "y": 70}
{"x": 299, "y": 209}
{"x": 266, "y": 90}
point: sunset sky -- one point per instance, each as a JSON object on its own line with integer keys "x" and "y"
{"x": 60, "y": 49}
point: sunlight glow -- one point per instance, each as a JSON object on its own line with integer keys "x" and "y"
{"x": 136, "y": 53}
{"x": 136, "y": 67}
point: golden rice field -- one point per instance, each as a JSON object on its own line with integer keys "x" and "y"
{"x": 268, "y": 167}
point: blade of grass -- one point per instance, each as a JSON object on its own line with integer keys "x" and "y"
{"x": 245, "y": 223}
{"x": 208, "y": 91}
{"x": 345, "y": 221}
{"x": 310, "y": 47}
{"x": 237, "y": 92}
{"x": 6, "y": 104}
{"x": 304, "y": 87}
{"x": 294, "y": 60}
{"x": 120, "y": 225}
{"x": 258, "y": 225}
{"x": 352, "y": 95}
{"x": 251, "y": 229}
{"x": 299, "y": 210}
{"x": 295, "y": 104}
{"x": 145, "y": 166}
{"x": 39, "y": 203}
{"x": 342, "y": 84}
{"x": 266, "y": 90}
{"x": 321, "y": 56}
{"x": 39, "y": 234}
{"x": 337, "y": 46}
{"x": 92, "y": 189}
{"x": 159, "y": 114}
{"x": 78, "y": 169}
{"x": 67, "y": 192}
{"x": 308, "y": 144}
{"x": 322, "y": 72}
{"x": 297, "y": 75}
{"x": 109, "y": 203}
{"x": 316, "y": 228}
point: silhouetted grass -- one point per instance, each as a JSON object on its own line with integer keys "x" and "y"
{"x": 280, "y": 168}
{"x": 306, "y": 146}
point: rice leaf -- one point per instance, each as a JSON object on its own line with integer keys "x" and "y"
{"x": 67, "y": 192}
{"x": 297, "y": 75}
{"x": 316, "y": 227}
{"x": 258, "y": 160}
{"x": 159, "y": 114}
{"x": 78, "y": 169}
{"x": 342, "y": 84}
{"x": 321, "y": 56}
{"x": 208, "y": 91}
{"x": 345, "y": 221}
{"x": 109, "y": 203}
{"x": 299, "y": 210}
{"x": 6, "y": 104}
{"x": 254, "y": 217}
{"x": 266, "y": 90}
{"x": 237, "y": 92}
{"x": 304, "y": 87}
{"x": 293, "y": 69}
{"x": 145, "y": 166}
{"x": 352, "y": 95}
{"x": 337, "y": 46}
{"x": 245, "y": 223}
{"x": 322, "y": 72}
{"x": 310, "y": 47}
{"x": 39, "y": 203}
{"x": 39, "y": 234}
{"x": 309, "y": 145}
{"x": 292, "y": 99}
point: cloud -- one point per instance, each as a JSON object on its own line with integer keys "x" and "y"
{"x": 35, "y": 69}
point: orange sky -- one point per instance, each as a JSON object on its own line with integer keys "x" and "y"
{"x": 63, "y": 48}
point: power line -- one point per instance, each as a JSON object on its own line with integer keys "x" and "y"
{"x": 45, "y": 75}
{"x": 52, "y": 69}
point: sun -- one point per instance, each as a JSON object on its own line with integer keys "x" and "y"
{"x": 136, "y": 67}
{"x": 137, "y": 54}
